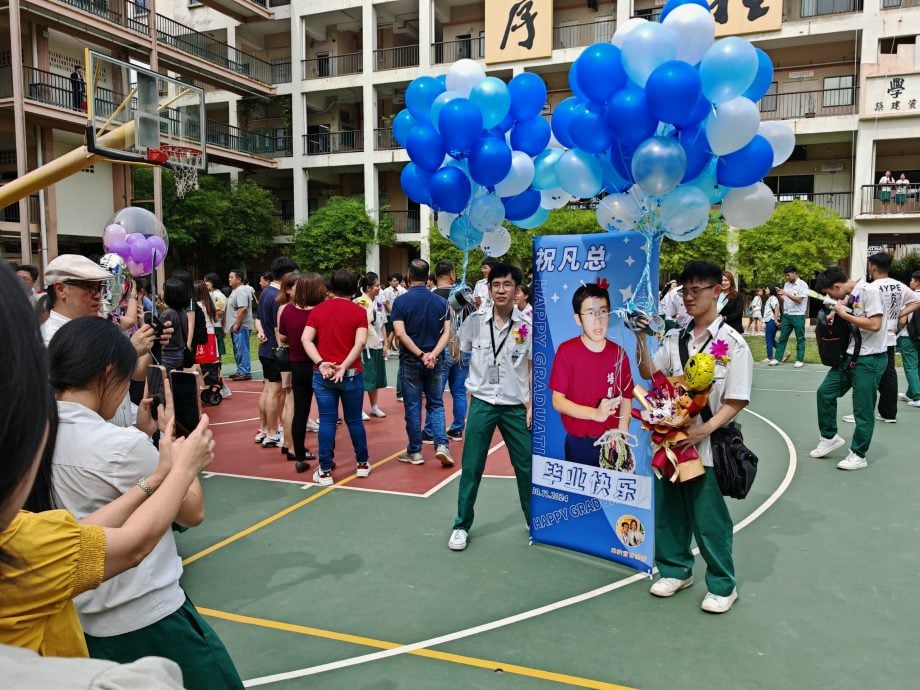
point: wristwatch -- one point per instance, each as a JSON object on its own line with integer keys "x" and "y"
{"x": 320, "y": 363}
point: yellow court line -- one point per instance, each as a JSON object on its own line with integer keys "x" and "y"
{"x": 427, "y": 653}
{"x": 277, "y": 516}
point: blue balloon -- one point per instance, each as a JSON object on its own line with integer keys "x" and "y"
{"x": 490, "y": 161}
{"x": 450, "y": 190}
{"x": 728, "y": 69}
{"x": 544, "y": 169}
{"x": 672, "y": 91}
{"x": 506, "y": 124}
{"x": 528, "y": 96}
{"x": 621, "y": 160}
{"x": 574, "y": 84}
{"x": 530, "y": 136}
{"x": 580, "y": 174}
{"x": 486, "y": 212}
{"x": 562, "y": 118}
{"x": 463, "y": 234}
{"x": 707, "y": 183}
{"x": 460, "y": 123}
{"x": 600, "y": 71}
{"x": 415, "y": 182}
{"x": 747, "y": 165}
{"x": 700, "y": 111}
{"x": 673, "y": 4}
{"x": 438, "y": 104}
{"x": 522, "y": 205}
{"x": 402, "y": 125}
{"x": 587, "y": 128}
{"x": 628, "y": 117}
{"x": 763, "y": 79}
{"x": 493, "y": 99}
{"x": 425, "y": 147}
{"x": 442, "y": 80}
{"x": 420, "y": 95}
{"x": 696, "y": 146}
{"x": 534, "y": 221}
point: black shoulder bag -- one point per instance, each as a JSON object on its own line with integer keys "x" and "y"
{"x": 734, "y": 464}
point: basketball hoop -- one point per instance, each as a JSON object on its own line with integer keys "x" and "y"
{"x": 184, "y": 162}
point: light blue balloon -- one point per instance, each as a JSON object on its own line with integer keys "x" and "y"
{"x": 709, "y": 185}
{"x": 438, "y": 103}
{"x": 658, "y": 165}
{"x": 645, "y": 48}
{"x": 534, "y": 221}
{"x": 486, "y": 212}
{"x": 687, "y": 236}
{"x": 580, "y": 174}
{"x": 420, "y": 94}
{"x": 402, "y": 125}
{"x": 544, "y": 166}
{"x": 463, "y": 234}
{"x": 684, "y": 211}
{"x": 728, "y": 69}
{"x": 493, "y": 99}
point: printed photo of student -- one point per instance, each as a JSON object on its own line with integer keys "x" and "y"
{"x": 591, "y": 379}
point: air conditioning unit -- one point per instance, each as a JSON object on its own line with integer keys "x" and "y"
{"x": 831, "y": 167}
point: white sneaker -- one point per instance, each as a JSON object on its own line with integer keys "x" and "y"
{"x": 412, "y": 458}
{"x": 260, "y": 436}
{"x": 365, "y": 416}
{"x": 903, "y": 396}
{"x": 322, "y": 478}
{"x": 669, "y": 586}
{"x": 914, "y": 403}
{"x": 852, "y": 462}
{"x": 312, "y": 425}
{"x": 713, "y": 603}
{"x": 458, "y": 540}
{"x": 885, "y": 419}
{"x": 363, "y": 469}
{"x": 826, "y": 446}
{"x": 773, "y": 363}
{"x": 377, "y": 412}
{"x": 442, "y": 454}
{"x": 799, "y": 365}
{"x": 225, "y": 391}
{"x": 270, "y": 441}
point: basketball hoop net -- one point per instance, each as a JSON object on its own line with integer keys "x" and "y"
{"x": 184, "y": 161}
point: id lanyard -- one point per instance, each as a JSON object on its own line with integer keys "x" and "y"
{"x": 494, "y": 372}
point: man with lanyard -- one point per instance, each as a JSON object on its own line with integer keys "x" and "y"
{"x": 795, "y": 307}
{"x": 499, "y": 339}
{"x": 860, "y": 304}
{"x": 697, "y": 508}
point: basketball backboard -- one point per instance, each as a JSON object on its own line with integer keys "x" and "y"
{"x": 132, "y": 112}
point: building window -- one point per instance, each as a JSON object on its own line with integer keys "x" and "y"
{"x": 838, "y": 91}
{"x": 791, "y": 187}
{"x": 768, "y": 102}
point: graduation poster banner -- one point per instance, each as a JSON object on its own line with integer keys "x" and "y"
{"x": 605, "y": 509}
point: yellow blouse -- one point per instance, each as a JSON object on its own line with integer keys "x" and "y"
{"x": 56, "y": 558}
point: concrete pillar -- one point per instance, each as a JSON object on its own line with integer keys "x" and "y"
{"x": 623, "y": 12}
{"x": 371, "y": 185}
{"x": 19, "y": 126}
{"x": 424, "y": 220}
{"x": 369, "y": 41}
{"x": 298, "y": 122}
{"x": 425, "y": 32}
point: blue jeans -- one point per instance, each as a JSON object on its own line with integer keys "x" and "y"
{"x": 770, "y": 336}
{"x": 417, "y": 379}
{"x": 328, "y": 394}
{"x": 241, "y": 351}
{"x": 454, "y": 372}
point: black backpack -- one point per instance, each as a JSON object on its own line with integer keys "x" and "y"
{"x": 200, "y": 334}
{"x": 833, "y": 339}
{"x": 913, "y": 326}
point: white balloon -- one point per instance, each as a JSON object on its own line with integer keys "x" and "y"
{"x": 554, "y": 198}
{"x": 444, "y": 221}
{"x": 645, "y": 48}
{"x": 696, "y": 29}
{"x": 486, "y": 212}
{"x": 618, "y": 212}
{"x": 496, "y": 242}
{"x": 684, "y": 211}
{"x": 731, "y": 125}
{"x": 781, "y": 138}
{"x": 623, "y": 31}
{"x": 748, "y": 207}
{"x": 463, "y": 75}
{"x": 519, "y": 177}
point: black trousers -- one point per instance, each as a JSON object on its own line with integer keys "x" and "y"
{"x": 302, "y": 385}
{"x": 888, "y": 389}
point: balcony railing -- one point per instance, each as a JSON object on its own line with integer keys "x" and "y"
{"x": 890, "y": 199}
{"x": 447, "y": 52}
{"x": 841, "y": 202}
{"x": 322, "y": 143}
{"x": 652, "y": 14}
{"x": 403, "y": 221}
{"x": 332, "y": 66}
{"x": 281, "y": 71}
{"x": 239, "y": 140}
{"x": 181, "y": 37}
{"x": 384, "y": 140}
{"x": 897, "y": 4}
{"x": 786, "y": 106}
{"x": 583, "y": 34}
{"x": 806, "y": 9}
{"x": 125, "y": 13}
{"x": 394, "y": 58}
{"x": 10, "y": 214}
{"x": 278, "y": 3}
{"x": 284, "y": 146}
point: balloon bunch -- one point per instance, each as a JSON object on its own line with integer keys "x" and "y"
{"x": 472, "y": 140}
{"x": 665, "y": 120}
{"x": 138, "y": 237}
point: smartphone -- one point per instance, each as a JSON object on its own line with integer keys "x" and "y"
{"x": 155, "y": 387}
{"x": 186, "y": 402}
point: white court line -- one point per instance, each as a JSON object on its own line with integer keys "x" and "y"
{"x": 533, "y": 613}
{"x": 303, "y": 485}
{"x": 235, "y": 421}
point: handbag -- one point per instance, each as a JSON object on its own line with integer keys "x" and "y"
{"x": 188, "y": 357}
{"x": 283, "y": 357}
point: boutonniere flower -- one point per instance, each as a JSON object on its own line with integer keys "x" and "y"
{"x": 719, "y": 350}
{"x": 520, "y": 335}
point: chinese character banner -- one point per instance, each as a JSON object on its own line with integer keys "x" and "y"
{"x": 592, "y": 489}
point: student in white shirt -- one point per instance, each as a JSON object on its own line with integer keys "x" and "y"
{"x": 901, "y": 185}
{"x": 481, "y": 296}
{"x": 910, "y": 350}
{"x": 795, "y": 307}
{"x": 884, "y": 192}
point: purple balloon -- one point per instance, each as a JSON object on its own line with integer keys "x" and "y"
{"x": 159, "y": 246}
{"x": 141, "y": 251}
{"x": 113, "y": 233}
{"x": 135, "y": 237}
{"x": 120, "y": 248}
{"x": 147, "y": 265}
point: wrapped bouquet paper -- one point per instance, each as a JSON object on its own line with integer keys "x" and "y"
{"x": 668, "y": 409}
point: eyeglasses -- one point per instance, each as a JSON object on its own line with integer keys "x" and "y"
{"x": 595, "y": 314}
{"x": 503, "y": 287}
{"x": 695, "y": 291}
{"x": 91, "y": 288}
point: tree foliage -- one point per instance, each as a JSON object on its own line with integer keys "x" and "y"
{"x": 903, "y": 268}
{"x": 219, "y": 226}
{"x": 712, "y": 246}
{"x": 809, "y": 237}
{"x": 336, "y": 237}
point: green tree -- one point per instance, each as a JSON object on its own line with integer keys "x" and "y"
{"x": 219, "y": 226}
{"x": 712, "y": 246}
{"x": 336, "y": 236}
{"x": 903, "y": 268}
{"x": 799, "y": 233}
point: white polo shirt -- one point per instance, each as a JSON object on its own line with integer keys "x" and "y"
{"x": 95, "y": 462}
{"x": 52, "y": 325}
{"x": 732, "y": 380}
{"x": 865, "y": 300}
{"x": 674, "y": 309}
{"x": 481, "y": 290}
{"x": 513, "y": 387}
{"x": 800, "y": 289}
{"x": 895, "y": 296}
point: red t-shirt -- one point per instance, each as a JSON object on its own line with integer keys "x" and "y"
{"x": 291, "y": 324}
{"x": 587, "y": 377}
{"x": 336, "y": 321}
